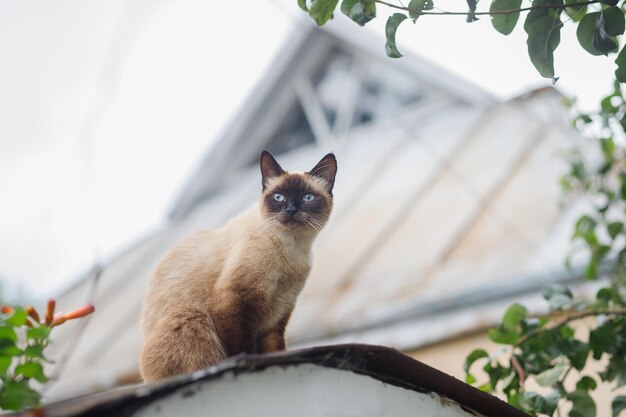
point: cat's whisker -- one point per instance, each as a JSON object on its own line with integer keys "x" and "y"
{"x": 273, "y": 224}
{"x": 276, "y": 225}
{"x": 310, "y": 224}
{"x": 317, "y": 221}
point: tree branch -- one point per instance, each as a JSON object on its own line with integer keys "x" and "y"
{"x": 497, "y": 12}
{"x": 519, "y": 370}
{"x": 573, "y": 317}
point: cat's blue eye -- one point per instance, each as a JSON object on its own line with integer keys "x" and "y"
{"x": 308, "y": 197}
{"x": 279, "y": 197}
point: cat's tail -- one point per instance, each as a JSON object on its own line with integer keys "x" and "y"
{"x": 182, "y": 342}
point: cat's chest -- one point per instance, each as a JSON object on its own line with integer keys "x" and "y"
{"x": 286, "y": 277}
{"x": 275, "y": 275}
{"x": 284, "y": 260}
{"x": 285, "y": 281}
{"x": 281, "y": 301}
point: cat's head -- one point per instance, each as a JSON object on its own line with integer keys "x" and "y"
{"x": 298, "y": 200}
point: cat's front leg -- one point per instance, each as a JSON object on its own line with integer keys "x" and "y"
{"x": 274, "y": 340}
{"x": 238, "y": 329}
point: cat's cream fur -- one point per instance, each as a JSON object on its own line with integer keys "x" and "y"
{"x": 232, "y": 290}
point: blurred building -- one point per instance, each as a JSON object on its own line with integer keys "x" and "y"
{"x": 446, "y": 208}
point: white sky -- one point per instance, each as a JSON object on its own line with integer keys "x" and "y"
{"x": 107, "y": 106}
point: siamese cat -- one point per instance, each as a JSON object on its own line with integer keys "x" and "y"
{"x": 231, "y": 290}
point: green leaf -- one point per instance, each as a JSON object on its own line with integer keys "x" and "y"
{"x": 510, "y": 382}
{"x": 608, "y": 145}
{"x": 552, "y": 400}
{"x": 614, "y": 21}
{"x": 602, "y": 40}
{"x": 390, "y": 31}
{"x": 31, "y": 370}
{"x": 576, "y": 351}
{"x": 532, "y": 324}
{"x": 416, "y": 7}
{"x": 576, "y": 15}
{"x": 540, "y": 350}
{"x": 598, "y": 253}
{"x": 509, "y": 330}
{"x": 609, "y": 2}
{"x": 513, "y": 398}
{"x": 5, "y": 363}
{"x": 17, "y": 395}
{"x": 543, "y": 28}
{"x": 486, "y": 388}
{"x": 17, "y": 318}
{"x": 591, "y": 272}
{"x": 302, "y": 5}
{"x": 503, "y": 336}
{"x": 586, "y": 383}
{"x": 535, "y": 402}
{"x": 614, "y": 229}
{"x": 585, "y": 229}
{"x": 567, "y": 332}
{"x": 496, "y": 373}
{"x": 7, "y": 333}
{"x": 557, "y": 295}
{"x": 558, "y": 301}
{"x": 602, "y": 339}
{"x": 615, "y": 371}
{"x": 322, "y": 10}
{"x": 585, "y": 118}
{"x": 586, "y": 32}
{"x": 620, "y": 72}
{"x": 551, "y": 375}
{"x": 471, "y": 17}
{"x": 607, "y": 106}
{"x": 514, "y": 316}
{"x": 504, "y": 23}
{"x": 575, "y": 12}
{"x": 360, "y": 11}
{"x": 582, "y": 404}
{"x": 622, "y": 178}
{"x": 592, "y": 33}
{"x": 622, "y": 121}
{"x": 618, "y": 404}
{"x": 38, "y": 333}
{"x": 34, "y": 351}
{"x": 471, "y": 358}
{"x": 605, "y": 296}
{"x": 8, "y": 348}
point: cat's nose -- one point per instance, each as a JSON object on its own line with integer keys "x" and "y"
{"x": 291, "y": 208}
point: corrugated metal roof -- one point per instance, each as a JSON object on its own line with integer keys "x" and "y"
{"x": 316, "y": 381}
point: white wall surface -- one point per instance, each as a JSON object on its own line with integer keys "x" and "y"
{"x": 304, "y": 390}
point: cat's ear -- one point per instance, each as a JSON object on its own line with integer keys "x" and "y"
{"x": 326, "y": 169}
{"x": 269, "y": 167}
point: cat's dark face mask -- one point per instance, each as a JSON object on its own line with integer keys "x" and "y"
{"x": 294, "y": 202}
{"x": 298, "y": 200}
